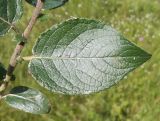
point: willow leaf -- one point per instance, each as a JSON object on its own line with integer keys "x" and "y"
{"x": 83, "y": 56}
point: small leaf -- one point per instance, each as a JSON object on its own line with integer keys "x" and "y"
{"x": 49, "y": 4}
{"x": 10, "y": 12}
{"x": 83, "y": 56}
{"x": 28, "y": 100}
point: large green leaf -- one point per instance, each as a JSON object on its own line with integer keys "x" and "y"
{"x": 83, "y": 56}
{"x": 28, "y": 100}
{"x": 49, "y": 4}
{"x": 10, "y": 12}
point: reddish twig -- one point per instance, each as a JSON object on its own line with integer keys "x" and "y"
{"x": 19, "y": 47}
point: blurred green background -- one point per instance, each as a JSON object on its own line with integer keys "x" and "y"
{"x": 136, "y": 98}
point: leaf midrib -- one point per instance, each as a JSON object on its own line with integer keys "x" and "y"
{"x": 81, "y": 58}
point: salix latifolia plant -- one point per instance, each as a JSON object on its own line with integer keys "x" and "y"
{"x": 78, "y": 56}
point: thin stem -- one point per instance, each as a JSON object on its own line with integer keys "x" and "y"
{"x": 32, "y": 22}
{"x": 19, "y": 47}
{"x": 28, "y": 58}
{"x": 15, "y": 29}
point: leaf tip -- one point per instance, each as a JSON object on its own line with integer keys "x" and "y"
{"x": 148, "y": 56}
